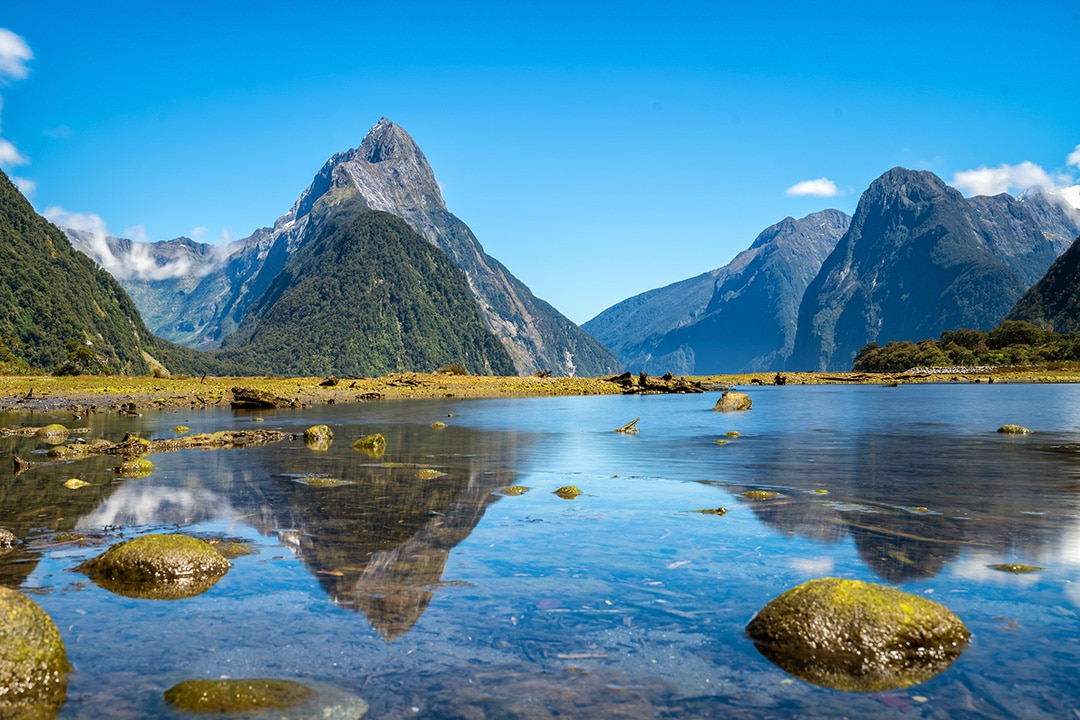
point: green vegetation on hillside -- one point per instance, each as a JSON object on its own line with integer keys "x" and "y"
{"x": 59, "y": 310}
{"x": 365, "y": 296}
{"x": 1013, "y": 342}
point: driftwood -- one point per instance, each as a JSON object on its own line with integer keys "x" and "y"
{"x": 252, "y": 399}
{"x": 645, "y": 385}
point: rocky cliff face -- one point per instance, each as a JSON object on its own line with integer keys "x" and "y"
{"x": 917, "y": 260}
{"x": 388, "y": 173}
{"x": 738, "y": 318}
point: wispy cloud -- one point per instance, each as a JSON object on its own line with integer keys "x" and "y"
{"x": 26, "y": 186}
{"x": 135, "y": 261}
{"x": 822, "y": 187}
{"x": 1074, "y": 158}
{"x": 14, "y": 54}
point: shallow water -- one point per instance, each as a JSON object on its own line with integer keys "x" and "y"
{"x": 447, "y": 598}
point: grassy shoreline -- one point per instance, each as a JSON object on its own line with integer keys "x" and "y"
{"x": 44, "y": 392}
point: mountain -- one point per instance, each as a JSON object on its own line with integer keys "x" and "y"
{"x": 1053, "y": 302}
{"x": 918, "y": 259}
{"x": 738, "y": 318}
{"x": 61, "y": 311}
{"x": 389, "y": 173}
{"x": 1056, "y": 213}
{"x": 365, "y": 295}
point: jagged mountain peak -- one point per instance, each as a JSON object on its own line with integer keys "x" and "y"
{"x": 387, "y": 141}
{"x": 908, "y": 186}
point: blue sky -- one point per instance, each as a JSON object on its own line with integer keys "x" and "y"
{"x": 597, "y": 149}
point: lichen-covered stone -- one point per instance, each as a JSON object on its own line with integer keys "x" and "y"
{"x": 158, "y": 567}
{"x": 134, "y": 468}
{"x": 731, "y": 401}
{"x": 237, "y": 696}
{"x": 318, "y": 437}
{"x": 374, "y": 445}
{"x": 857, "y": 636}
{"x": 52, "y": 434}
{"x": 265, "y": 699}
{"x": 33, "y": 662}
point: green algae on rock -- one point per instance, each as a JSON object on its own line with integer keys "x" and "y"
{"x": 373, "y": 445}
{"x": 236, "y": 696}
{"x": 1011, "y": 429}
{"x": 856, "y": 636}
{"x": 158, "y": 567}
{"x": 134, "y": 468}
{"x": 1015, "y": 569}
{"x": 568, "y": 492}
{"x": 54, "y": 434}
{"x": 514, "y": 490}
{"x": 265, "y": 699}
{"x": 181, "y": 429}
{"x": 318, "y": 437}
{"x": 33, "y": 661}
{"x": 760, "y": 495}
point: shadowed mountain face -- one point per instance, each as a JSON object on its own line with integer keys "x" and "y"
{"x": 741, "y": 317}
{"x": 1054, "y": 301}
{"x": 387, "y": 173}
{"x": 918, "y": 259}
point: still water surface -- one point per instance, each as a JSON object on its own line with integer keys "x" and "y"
{"x": 449, "y": 598}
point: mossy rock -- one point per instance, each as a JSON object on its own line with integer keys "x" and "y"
{"x": 857, "y": 636}
{"x": 374, "y": 445}
{"x": 731, "y": 401}
{"x": 759, "y": 495}
{"x": 1011, "y": 429}
{"x": 438, "y": 425}
{"x": 429, "y": 474}
{"x": 134, "y": 468}
{"x": 33, "y": 661}
{"x": 1016, "y": 568}
{"x": 97, "y": 446}
{"x": 53, "y": 434}
{"x": 237, "y": 696}
{"x": 265, "y": 698}
{"x": 181, "y": 429}
{"x": 568, "y": 492}
{"x": 318, "y": 437}
{"x": 158, "y": 567}
{"x": 514, "y": 490}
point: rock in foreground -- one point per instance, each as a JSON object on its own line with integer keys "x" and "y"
{"x": 857, "y": 636}
{"x": 158, "y": 567}
{"x": 731, "y": 401}
{"x": 33, "y": 662}
{"x": 264, "y": 698}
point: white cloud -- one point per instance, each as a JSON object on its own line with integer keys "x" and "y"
{"x": 822, "y": 187}
{"x": 1074, "y": 157}
{"x": 26, "y": 186}
{"x": 1003, "y": 179}
{"x": 138, "y": 261}
{"x": 10, "y": 155}
{"x": 14, "y": 54}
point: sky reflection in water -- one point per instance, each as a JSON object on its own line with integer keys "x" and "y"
{"x": 447, "y": 598}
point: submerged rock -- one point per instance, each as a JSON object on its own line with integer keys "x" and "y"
{"x": 158, "y": 567}
{"x": 53, "y": 434}
{"x": 1011, "y": 429}
{"x": 568, "y": 492}
{"x": 857, "y": 636}
{"x": 374, "y": 445}
{"x": 252, "y": 399}
{"x": 731, "y": 401}
{"x": 134, "y": 468}
{"x": 318, "y": 437}
{"x": 33, "y": 661}
{"x": 265, "y": 698}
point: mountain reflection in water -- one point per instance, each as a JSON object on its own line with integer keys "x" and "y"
{"x": 627, "y": 600}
